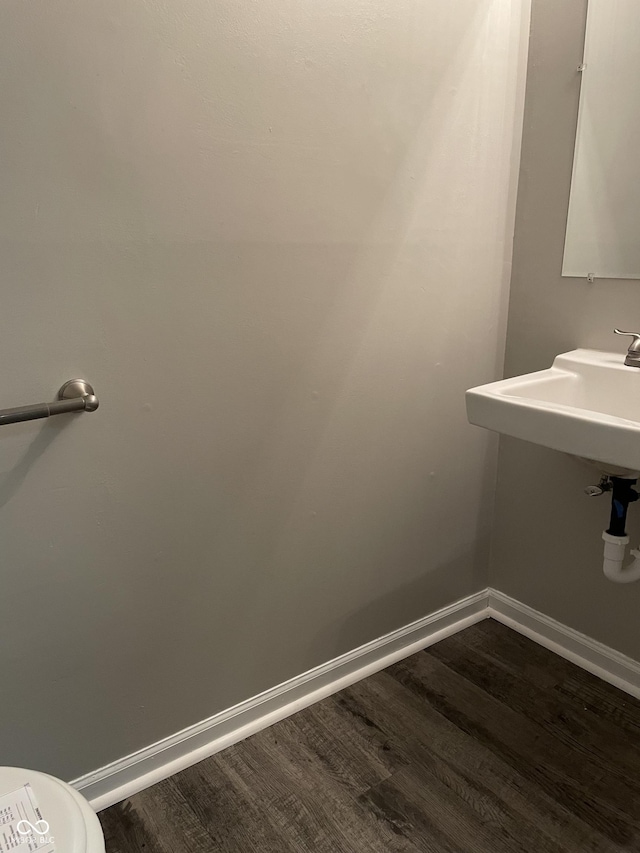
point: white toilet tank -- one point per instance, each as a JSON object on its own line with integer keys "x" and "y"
{"x": 43, "y": 814}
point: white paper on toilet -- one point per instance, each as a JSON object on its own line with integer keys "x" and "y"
{"x": 23, "y": 828}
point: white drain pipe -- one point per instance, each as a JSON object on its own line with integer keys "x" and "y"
{"x": 614, "y": 551}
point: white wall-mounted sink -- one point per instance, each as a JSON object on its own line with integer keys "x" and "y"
{"x": 587, "y": 404}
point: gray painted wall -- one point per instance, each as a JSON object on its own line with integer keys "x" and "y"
{"x": 269, "y": 233}
{"x": 547, "y": 548}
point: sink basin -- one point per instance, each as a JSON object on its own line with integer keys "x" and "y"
{"x": 586, "y": 404}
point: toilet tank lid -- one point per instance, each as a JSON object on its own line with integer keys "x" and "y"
{"x": 57, "y": 804}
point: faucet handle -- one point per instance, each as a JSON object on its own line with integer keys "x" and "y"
{"x": 633, "y": 353}
{"x": 634, "y": 346}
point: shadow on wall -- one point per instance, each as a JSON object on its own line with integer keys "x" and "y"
{"x": 12, "y": 480}
{"x": 428, "y": 593}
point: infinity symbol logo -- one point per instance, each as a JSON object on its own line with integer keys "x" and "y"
{"x": 40, "y": 827}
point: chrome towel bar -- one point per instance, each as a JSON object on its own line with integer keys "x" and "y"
{"x": 76, "y": 395}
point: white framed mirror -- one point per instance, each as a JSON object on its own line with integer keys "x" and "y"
{"x": 603, "y": 224}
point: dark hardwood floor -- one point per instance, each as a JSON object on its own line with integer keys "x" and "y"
{"x": 483, "y": 743}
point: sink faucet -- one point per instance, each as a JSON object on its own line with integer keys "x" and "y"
{"x": 633, "y": 353}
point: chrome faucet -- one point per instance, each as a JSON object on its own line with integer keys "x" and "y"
{"x": 633, "y": 353}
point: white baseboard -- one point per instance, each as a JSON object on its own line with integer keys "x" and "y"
{"x": 609, "y": 665}
{"x": 138, "y": 771}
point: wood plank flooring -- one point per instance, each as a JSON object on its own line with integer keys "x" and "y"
{"x": 483, "y": 743}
